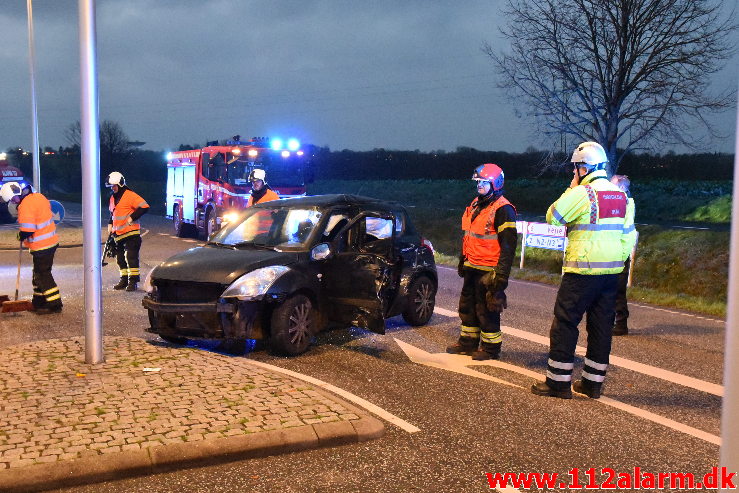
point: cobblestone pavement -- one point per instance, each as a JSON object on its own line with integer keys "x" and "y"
{"x": 157, "y": 404}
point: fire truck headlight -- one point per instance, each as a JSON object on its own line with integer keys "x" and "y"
{"x": 285, "y": 153}
{"x": 293, "y": 144}
{"x": 229, "y": 217}
{"x": 254, "y": 283}
{"x": 253, "y": 153}
{"x": 276, "y": 144}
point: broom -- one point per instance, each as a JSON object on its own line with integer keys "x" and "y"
{"x": 17, "y": 305}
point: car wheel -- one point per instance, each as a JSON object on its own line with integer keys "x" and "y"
{"x": 421, "y": 301}
{"x": 293, "y": 324}
{"x": 180, "y": 341}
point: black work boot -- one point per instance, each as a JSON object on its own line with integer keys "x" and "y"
{"x": 592, "y": 390}
{"x": 620, "y": 329}
{"x": 487, "y": 351}
{"x": 465, "y": 345}
{"x": 121, "y": 284}
{"x": 48, "y": 310}
{"x": 132, "y": 286}
{"x": 542, "y": 388}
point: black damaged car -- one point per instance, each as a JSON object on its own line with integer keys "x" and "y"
{"x": 287, "y": 269}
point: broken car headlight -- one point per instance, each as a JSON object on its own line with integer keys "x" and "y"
{"x": 254, "y": 283}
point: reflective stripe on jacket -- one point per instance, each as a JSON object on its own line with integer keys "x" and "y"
{"x": 480, "y": 245}
{"x": 129, "y": 202}
{"x": 34, "y": 215}
{"x": 600, "y": 226}
{"x": 268, "y": 195}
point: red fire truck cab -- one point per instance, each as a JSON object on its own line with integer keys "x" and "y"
{"x": 205, "y": 186}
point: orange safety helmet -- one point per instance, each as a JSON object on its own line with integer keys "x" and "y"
{"x": 490, "y": 172}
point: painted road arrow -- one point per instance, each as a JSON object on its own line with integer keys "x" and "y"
{"x": 459, "y": 364}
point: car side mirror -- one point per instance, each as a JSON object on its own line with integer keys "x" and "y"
{"x": 322, "y": 251}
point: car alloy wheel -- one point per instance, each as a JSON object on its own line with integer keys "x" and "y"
{"x": 422, "y": 298}
{"x": 292, "y": 325}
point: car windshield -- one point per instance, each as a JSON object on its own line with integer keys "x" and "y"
{"x": 277, "y": 227}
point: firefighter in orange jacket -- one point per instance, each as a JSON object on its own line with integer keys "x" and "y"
{"x": 38, "y": 233}
{"x": 260, "y": 191}
{"x": 488, "y": 248}
{"x": 126, "y": 207}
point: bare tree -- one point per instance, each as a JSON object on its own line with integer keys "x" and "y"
{"x": 625, "y": 73}
{"x": 113, "y": 140}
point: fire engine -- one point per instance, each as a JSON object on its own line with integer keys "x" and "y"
{"x": 206, "y": 187}
{"x": 8, "y": 173}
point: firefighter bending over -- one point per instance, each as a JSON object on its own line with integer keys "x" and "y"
{"x": 600, "y": 236}
{"x": 126, "y": 207}
{"x": 260, "y": 190}
{"x": 488, "y": 248}
{"x": 38, "y": 233}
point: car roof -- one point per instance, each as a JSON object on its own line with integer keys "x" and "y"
{"x": 331, "y": 200}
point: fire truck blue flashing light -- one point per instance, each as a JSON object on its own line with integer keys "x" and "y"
{"x": 169, "y": 156}
{"x": 293, "y": 144}
{"x": 276, "y": 144}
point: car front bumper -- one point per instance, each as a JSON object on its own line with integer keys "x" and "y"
{"x": 223, "y": 319}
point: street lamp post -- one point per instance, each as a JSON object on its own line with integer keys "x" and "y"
{"x": 34, "y": 115}
{"x": 90, "y": 150}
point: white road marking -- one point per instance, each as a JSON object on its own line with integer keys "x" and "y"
{"x": 376, "y": 410}
{"x": 649, "y": 370}
{"x": 457, "y": 362}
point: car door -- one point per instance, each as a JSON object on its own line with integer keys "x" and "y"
{"x": 362, "y": 272}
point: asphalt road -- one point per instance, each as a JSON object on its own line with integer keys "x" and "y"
{"x": 470, "y": 424}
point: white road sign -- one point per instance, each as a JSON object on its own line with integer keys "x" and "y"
{"x": 546, "y": 229}
{"x": 547, "y": 242}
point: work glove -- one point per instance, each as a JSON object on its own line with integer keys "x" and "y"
{"x": 460, "y": 266}
{"x": 494, "y": 281}
{"x": 496, "y": 301}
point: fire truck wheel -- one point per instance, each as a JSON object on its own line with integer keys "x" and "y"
{"x": 179, "y": 225}
{"x": 293, "y": 326}
{"x": 210, "y": 223}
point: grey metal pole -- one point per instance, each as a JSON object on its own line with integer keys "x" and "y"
{"x": 729, "y": 457}
{"x": 90, "y": 185}
{"x": 34, "y": 113}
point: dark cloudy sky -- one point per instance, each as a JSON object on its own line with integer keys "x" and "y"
{"x": 398, "y": 74}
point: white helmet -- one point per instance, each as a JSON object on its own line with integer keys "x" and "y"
{"x": 257, "y": 174}
{"x": 9, "y": 190}
{"x": 590, "y": 154}
{"x": 115, "y": 178}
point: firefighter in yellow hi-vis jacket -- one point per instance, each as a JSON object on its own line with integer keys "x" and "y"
{"x": 600, "y": 237}
{"x": 126, "y": 207}
{"x": 38, "y": 233}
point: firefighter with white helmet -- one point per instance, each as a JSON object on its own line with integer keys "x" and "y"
{"x": 488, "y": 248}
{"x": 260, "y": 190}
{"x": 600, "y": 236}
{"x": 38, "y": 233}
{"x": 126, "y": 207}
